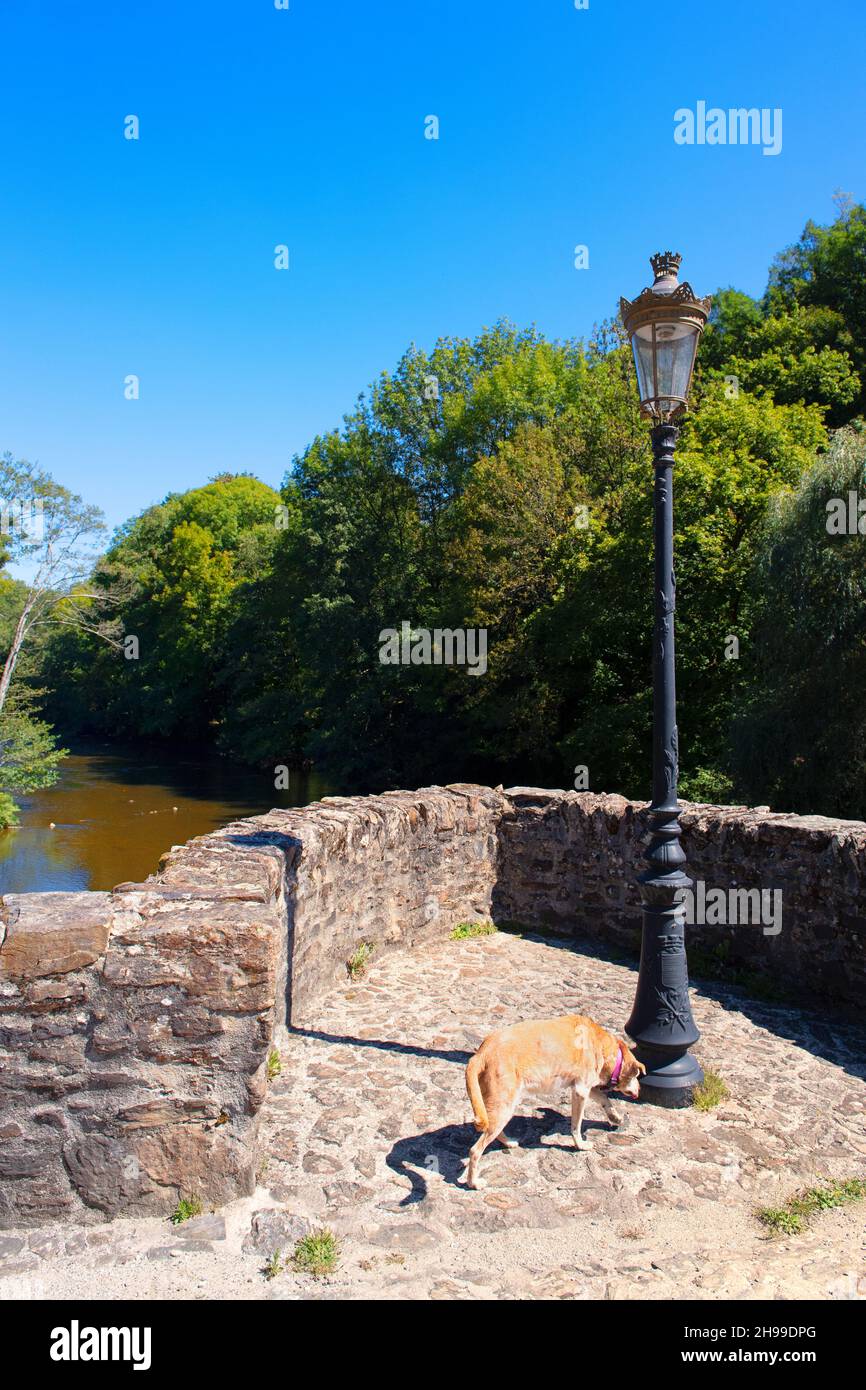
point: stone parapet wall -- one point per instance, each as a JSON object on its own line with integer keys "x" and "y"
{"x": 134, "y": 1029}
{"x": 135, "y": 1026}
{"x": 570, "y": 860}
{"x": 394, "y": 870}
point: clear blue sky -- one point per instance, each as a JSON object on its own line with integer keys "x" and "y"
{"x": 306, "y": 127}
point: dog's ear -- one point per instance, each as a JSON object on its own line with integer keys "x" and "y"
{"x": 627, "y": 1052}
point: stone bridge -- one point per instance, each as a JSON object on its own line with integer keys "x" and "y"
{"x": 136, "y": 1025}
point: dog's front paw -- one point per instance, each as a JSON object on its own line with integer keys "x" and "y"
{"x": 583, "y": 1145}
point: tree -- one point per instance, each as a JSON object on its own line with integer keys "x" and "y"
{"x": 29, "y": 760}
{"x": 566, "y": 592}
{"x": 826, "y": 269}
{"x": 181, "y": 566}
{"x": 47, "y": 529}
{"x": 799, "y": 741}
{"x": 372, "y": 545}
{"x": 789, "y": 356}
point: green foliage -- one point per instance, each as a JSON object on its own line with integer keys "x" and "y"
{"x": 467, "y": 931}
{"x": 356, "y": 965}
{"x": 186, "y": 1209}
{"x": 29, "y": 759}
{"x": 805, "y": 340}
{"x": 707, "y": 784}
{"x": 792, "y": 354}
{"x": 826, "y": 269}
{"x": 28, "y": 753}
{"x": 568, "y": 604}
{"x": 780, "y": 1221}
{"x": 13, "y": 593}
{"x": 317, "y": 1254}
{"x": 798, "y": 1211}
{"x": 372, "y": 543}
{"x": 711, "y": 1092}
{"x": 800, "y": 736}
{"x": 274, "y": 1064}
{"x": 183, "y": 566}
{"x": 46, "y": 529}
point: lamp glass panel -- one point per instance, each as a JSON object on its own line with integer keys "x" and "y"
{"x": 664, "y": 364}
{"x": 642, "y": 347}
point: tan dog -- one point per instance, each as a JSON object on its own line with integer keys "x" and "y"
{"x": 572, "y": 1050}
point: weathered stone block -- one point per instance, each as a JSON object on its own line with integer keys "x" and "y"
{"x": 105, "y": 1173}
{"x": 53, "y": 933}
{"x": 273, "y": 1229}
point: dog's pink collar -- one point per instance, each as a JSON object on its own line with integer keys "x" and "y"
{"x": 615, "y": 1074}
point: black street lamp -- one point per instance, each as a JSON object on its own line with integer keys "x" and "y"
{"x": 664, "y": 323}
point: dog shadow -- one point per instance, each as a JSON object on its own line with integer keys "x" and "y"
{"x": 444, "y": 1152}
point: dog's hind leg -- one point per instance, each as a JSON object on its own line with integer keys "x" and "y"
{"x": 472, "y": 1178}
{"x": 505, "y": 1116}
{"x": 579, "y": 1098}
{"x": 496, "y": 1123}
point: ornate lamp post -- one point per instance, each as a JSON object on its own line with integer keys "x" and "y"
{"x": 664, "y": 323}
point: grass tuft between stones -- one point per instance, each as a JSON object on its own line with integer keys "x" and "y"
{"x": 465, "y": 931}
{"x": 186, "y": 1209}
{"x": 358, "y": 961}
{"x": 275, "y": 1065}
{"x": 317, "y": 1254}
{"x": 711, "y": 1092}
{"x": 797, "y": 1212}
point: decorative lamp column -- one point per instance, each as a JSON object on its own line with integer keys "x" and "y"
{"x": 664, "y": 323}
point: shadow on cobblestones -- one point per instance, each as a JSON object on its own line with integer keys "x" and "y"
{"x": 810, "y": 1022}
{"x": 444, "y": 1151}
{"x": 454, "y": 1055}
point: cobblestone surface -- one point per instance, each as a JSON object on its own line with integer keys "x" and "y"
{"x": 367, "y": 1127}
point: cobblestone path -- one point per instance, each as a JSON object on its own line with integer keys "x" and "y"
{"x": 367, "y": 1126}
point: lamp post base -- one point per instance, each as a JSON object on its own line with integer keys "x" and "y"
{"x": 669, "y": 1082}
{"x": 661, "y": 1022}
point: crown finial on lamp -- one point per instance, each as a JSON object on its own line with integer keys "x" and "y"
{"x": 665, "y": 263}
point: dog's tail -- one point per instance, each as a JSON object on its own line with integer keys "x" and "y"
{"x": 474, "y": 1067}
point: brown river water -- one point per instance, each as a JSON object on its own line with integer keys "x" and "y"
{"x": 116, "y": 810}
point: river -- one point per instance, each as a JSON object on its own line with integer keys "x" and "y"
{"x": 115, "y": 810}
